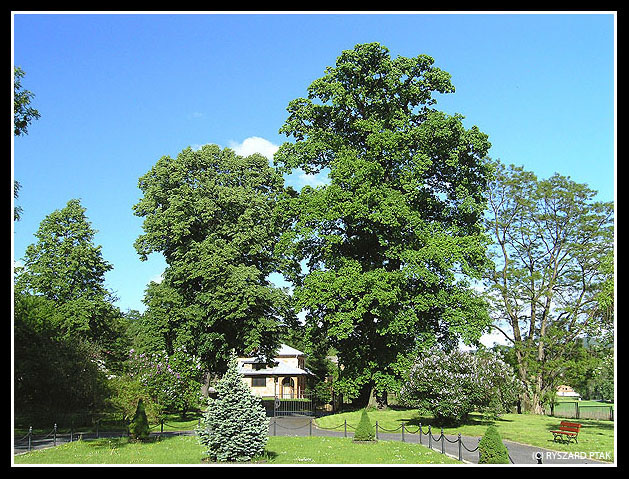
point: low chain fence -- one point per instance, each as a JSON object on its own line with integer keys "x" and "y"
{"x": 424, "y": 436}
{"x": 56, "y": 436}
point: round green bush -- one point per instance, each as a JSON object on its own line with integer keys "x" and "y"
{"x": 491, "y": 449}
{"x": 364, "y": 431}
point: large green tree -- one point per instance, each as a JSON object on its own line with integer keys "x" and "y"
{"x": 66, "y": 330}
{"x": 211, "y": 214}
{"x": 551, "y": 280}
{"x": 66, "y": 268}
{"x": 391, "y": 240}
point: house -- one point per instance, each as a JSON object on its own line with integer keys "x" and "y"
{"x": 567, "y": 391}
{"x": 286, "y": 379}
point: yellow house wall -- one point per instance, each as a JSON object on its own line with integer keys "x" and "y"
{"x": 271, "y": 388}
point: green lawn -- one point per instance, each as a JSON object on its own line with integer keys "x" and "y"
{"x": 595, "y": 435}
{"x": 279, "y": 450}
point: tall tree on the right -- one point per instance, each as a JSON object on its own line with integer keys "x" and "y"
{"x": 550, "y": 282}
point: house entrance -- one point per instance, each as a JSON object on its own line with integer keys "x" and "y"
{"x": 287, "y": 389}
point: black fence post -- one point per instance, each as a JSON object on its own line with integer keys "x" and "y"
{"x": 443, "y": 439}
{"x": 54, "y": 435}
{"x": 460, "y": 457}
{"x": 376, "y": 430}
{"x": 310, "y": 424}
{"x": 30, "y": 435}
{"x": 429, "y": 436}
{"x": 420, "y": 432}
{"x": 345, "y": 429}
{"x": 402, "y": 431}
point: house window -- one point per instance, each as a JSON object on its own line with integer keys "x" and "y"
{"x": 258, "y": 382}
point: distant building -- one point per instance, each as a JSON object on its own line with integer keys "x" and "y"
{"x": 286, "y": 379}
{"x": 567, "y": 391}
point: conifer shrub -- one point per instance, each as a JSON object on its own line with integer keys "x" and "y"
{"x": 491, "y": 449}
{"x": 364, "y": 430}
{"x": 139, "y": 426}
{"x": 234, "y": 427}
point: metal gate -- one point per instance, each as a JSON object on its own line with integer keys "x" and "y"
{"x": 302, "y": 405}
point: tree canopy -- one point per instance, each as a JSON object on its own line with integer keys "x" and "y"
{"x": 66, "y": 329}
{"x": 67, "y": 269}
{"x": 551, "y": 279}
{"x": 211, "y": 213}
{"x": 23, "y": 112}
{"x": 390, "y": 241}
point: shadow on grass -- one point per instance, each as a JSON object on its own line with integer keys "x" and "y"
{"x": 471, "y": 420}
{"x": 122, "y": 442}
{"x": 267, "y": 456}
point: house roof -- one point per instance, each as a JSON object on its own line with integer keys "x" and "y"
{"x": 280, "y": 369}
{"x": 286, "y": 350}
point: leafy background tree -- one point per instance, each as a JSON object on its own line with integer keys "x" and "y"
{"x": 67, "y": 332}
{"x": 23, "y": 112}
{"x": 23, "y": 115}
{"x": 211, "y": 213}
{"x": 550, "y": 281}
{"x": 389, "y": 242}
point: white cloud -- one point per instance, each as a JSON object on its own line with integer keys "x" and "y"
{"x": 254, "y": 144}
{"x": 157, "y": 278}
{"x": 312, "y": 180}
{"x": 489, "y": 340}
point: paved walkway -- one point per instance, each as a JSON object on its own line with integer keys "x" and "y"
{"x": 520, "y": 454}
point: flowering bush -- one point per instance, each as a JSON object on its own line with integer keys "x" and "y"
{"x": 451, "y": 385}
{"x": 174, "y": 382}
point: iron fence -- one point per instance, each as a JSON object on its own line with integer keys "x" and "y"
{"x": 302, "y": 405}
{"x": 574, "y": 410}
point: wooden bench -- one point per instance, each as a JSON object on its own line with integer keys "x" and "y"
{"x": 569, "y": 430}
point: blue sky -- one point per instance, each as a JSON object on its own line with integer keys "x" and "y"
{"x": 118, "y": 91}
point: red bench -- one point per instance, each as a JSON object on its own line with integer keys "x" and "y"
{"x": 569, "y": 430}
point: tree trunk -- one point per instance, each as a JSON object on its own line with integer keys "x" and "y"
{"x": 376, "y": 400}
{"x": 369, "y": 398}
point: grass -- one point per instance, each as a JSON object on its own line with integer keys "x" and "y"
{"x": 172, "y": 450}
{"x": 339, "y": 450}
{"x": 595, "y": 436}
{"x": 279, "y": 450}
